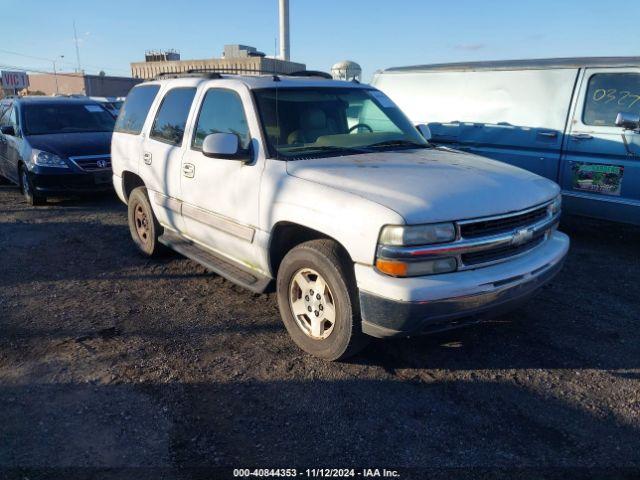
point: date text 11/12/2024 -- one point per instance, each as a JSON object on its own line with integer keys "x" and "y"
{"x": 316, "y": 473}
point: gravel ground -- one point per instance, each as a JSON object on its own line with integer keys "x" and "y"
{"x": 108, "y": 359}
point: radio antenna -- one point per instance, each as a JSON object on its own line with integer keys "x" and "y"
{"x": 75, "y": 38}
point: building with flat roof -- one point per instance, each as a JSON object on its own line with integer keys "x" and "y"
{"x": 236, "y": 58}
{"x": 81, "y": 84}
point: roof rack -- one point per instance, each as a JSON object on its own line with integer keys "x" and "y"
{"x": 311, "y": 73}
{"x": 216, "y": 73}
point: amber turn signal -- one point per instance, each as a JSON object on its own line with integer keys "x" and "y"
{"x": 392, "y": 267}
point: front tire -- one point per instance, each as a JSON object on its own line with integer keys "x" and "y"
{"x": 318, "y": 301}
{"x": 29, "y": 193}
{"x": 143, "y": 224}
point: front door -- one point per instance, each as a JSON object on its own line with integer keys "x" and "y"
{"x": 220, "y": 197}
{"x": 600, "y": 173}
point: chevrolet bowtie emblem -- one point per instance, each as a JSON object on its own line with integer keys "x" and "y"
{"x": 520, "y": 237}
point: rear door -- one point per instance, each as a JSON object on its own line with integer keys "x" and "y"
{"x": 600, "y": 171}
{"x": 162, "y": 155}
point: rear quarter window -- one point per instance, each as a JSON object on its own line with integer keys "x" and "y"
{"x": 135, "y": 109}
{"x": 609, "y": 94}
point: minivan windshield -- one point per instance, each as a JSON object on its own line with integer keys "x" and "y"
{"x": 312, "y": 122}
{"x": 50, "y": 118}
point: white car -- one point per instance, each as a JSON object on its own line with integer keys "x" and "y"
{"x": 326, "y": 191}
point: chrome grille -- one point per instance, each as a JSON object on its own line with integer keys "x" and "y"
{"x": 92, "y": 163}
{"x": 487, "y": 256}
{"x": 485, "y": 241}
{"x": 482, "y": 228}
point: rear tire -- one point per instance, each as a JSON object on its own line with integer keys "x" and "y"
{"x": 318, "y": 301}
{"x": 143, "y": 224}
{"x": 29, "y": 193}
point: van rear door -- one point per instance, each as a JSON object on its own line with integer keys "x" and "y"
{"x": 600, "y": 167}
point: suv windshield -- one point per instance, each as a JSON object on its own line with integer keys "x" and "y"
{"x": 66, "y": 118}
{"x": 324, "y": 121}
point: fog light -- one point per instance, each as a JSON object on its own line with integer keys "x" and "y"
{"x": 398, "y": 268}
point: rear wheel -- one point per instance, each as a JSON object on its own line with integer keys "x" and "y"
{"x": 143, "y": 224}
{"x": 26, "y": 187}
{"x": 318, "y": 300}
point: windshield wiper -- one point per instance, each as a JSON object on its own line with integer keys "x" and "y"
{"x": 397, "y": 143}
{"x": 326, "y": 148}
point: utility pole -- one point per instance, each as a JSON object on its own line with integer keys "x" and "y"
{"x": 75, "y": 37}
{"x": 55, "y": 73}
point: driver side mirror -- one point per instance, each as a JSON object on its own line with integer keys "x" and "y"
{"x": 628, "y": 121}
{"x": 8, "y": 130}
{"x": 224, "y": 145}
{"x": 425, "y": 131}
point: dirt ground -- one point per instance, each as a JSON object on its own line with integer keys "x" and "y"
{"x": 108, "y": 359}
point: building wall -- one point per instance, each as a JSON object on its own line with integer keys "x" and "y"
{"x": 68, "y": 84}
{"x": 150, "y": 70}
{"x": 79, "y": 84}
{"x": 98, "y": 86}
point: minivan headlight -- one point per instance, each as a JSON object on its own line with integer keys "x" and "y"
{"x": 407, "y": 235}
{"x": 46, "y": 159}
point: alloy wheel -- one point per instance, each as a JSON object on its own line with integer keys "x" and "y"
{"x": 312, "y": 304}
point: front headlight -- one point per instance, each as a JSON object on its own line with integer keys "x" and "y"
{"x": 46, "y": 159}
{"x": 408, "y": 235}
{"x": 556, "y": 205}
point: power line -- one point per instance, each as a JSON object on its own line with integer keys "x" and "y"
{"x": 9, "y": 52}
{"x": 36, "y": 70}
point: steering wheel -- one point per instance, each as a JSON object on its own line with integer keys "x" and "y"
{"x": 358, "y": 125}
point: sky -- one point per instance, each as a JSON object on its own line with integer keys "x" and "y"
{"x": 375, "y": 33}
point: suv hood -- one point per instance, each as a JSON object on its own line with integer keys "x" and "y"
{"x": 73, "y": 144}
{"x": 430, "y": 185}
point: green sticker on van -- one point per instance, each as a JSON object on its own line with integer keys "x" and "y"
{"x": 597, "y": 178}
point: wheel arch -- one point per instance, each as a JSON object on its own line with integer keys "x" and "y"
{"x": 130, "y": 181}
{"x": 287, "y": 235}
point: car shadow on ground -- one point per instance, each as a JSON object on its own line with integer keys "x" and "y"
{"x": 358, "y": 422}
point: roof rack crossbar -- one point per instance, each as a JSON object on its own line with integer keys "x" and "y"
{"x": 311, "y": 73}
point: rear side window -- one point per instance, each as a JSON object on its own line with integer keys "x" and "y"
{"x": 609, "y": 94}
{"x": 222, "y": 112}
{"x": 171, "y": 118}
{"x": 135, "y": 109}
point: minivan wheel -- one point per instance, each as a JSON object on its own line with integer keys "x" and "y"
{"x": 143, "y": 224}
{"x": 26, "y": 187}
{"x": 318, "y": 301}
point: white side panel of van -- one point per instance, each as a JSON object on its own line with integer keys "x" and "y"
{"x": 524, "y": 98}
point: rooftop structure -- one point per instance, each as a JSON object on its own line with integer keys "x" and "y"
{"x": 347, "y": 70}
{"x": 235, "y": 58}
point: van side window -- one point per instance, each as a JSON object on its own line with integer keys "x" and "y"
{"x": 171, "y": 118}
{"x": 135, "y": 109}
{"x": 609, "y": 94}
{"x": 221, "y": 112}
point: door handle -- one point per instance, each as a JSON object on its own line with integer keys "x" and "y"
{"x": 147, "y": 157}
{"x": 582, "y": 136}
{"x": 189, "y": 170}
{"x": 548, "y": 134}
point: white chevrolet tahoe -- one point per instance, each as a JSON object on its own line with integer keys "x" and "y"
{"x": 324, "y": 190}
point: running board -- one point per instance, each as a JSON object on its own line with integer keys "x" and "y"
{"x": 225, "y": 268}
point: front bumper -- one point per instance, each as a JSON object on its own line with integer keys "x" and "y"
{"x": 409, "y": 306}
{"x": 71, "y": 182}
